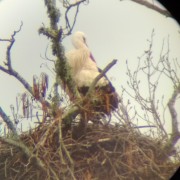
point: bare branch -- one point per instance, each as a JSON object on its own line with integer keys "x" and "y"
{"x": 46, "y": 57}
{"x": 19, "y": 144}
{"x": 68, "y": 6}
{"x": 12, "y": 40}
{"x": 4, "y": 69}
{"x": 149, "y": 104}
{"x": 64, "y": 153}
{"x": 69, "y": 116}
{"x": 153, "y": 7}
{"x": 9, "y": 70}
{"x": 8, "y": 122}
{"x": 104, "y": 71}
{"x": 175, "y": 132}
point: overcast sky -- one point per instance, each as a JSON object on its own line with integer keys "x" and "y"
{"x": 114, "y": 29}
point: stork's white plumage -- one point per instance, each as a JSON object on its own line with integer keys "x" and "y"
{"x": 84, "y": 70}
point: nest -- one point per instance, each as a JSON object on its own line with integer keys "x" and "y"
{"x": 104, "y": 152}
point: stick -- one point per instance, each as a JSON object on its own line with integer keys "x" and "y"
{"x": 104, "y": 71}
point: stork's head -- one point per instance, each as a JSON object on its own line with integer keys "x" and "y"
{"x": 79, "y": 40}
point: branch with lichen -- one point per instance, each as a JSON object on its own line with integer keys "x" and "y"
{"x": 63, "y": 76}
{"x": 55, "y": 34}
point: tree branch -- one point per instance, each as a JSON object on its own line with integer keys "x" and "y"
{"x": 12, "y": 40}
{"x": 19, "y": 144}
{"x": 153, "y": 7}
{"x": 9, "y": 70}
{"x": 68, "y": 7}
{"x": 175, "y": 132}
{"x": 62, "y": 69}
{"x": 8, "y": 122}
{"x": 104, "y": 71}
{"x": 70, "y": 115}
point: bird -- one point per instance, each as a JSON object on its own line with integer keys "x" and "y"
{"x": 84, "y": 70}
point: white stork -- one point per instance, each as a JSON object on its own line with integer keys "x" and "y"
{"x": 84, "y": 70}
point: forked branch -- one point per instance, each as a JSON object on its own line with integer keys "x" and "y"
{"x": 68, "y": 7}
{"x": 9, "y": 70}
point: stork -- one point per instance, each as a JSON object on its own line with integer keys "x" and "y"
{"x": 84, "y": 70}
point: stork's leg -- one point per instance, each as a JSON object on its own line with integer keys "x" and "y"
{"x": 80, "y": 129}
{"x": 83, "y": 122}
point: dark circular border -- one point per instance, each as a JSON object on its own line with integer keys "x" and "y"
{"x": 173, "y": 6}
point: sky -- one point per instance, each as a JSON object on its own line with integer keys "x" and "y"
{"x": 114, "y": 29}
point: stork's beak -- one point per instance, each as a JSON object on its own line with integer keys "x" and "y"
{"x": 92, "y": 57}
